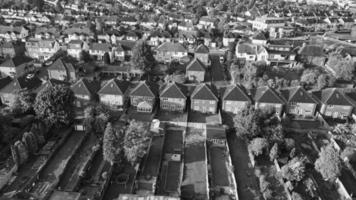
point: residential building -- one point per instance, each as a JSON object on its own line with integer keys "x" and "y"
{"x": 9, "y": 93}
{"x": 41, "y": 49}
{"x": 76, "y": 47}
{"x": 143, "y": 97}
{"x": 85, "y": 91}
{"x": 267, "y": 98}
{"x": 114, "y": 94}
{"x": 195, "y": 71}
{"x": 202, "y": 53}
{"x": 13, "y": 33}
{"x": 251, "y": 52}
{"x": 334, "y": 103}
{"x": 62, "y": 71}
{"x": 299, "y": 102}
{"x": 204, "y": 99}
{"x": 98, "y": 50}
{"x": 265, "y": 22}
{"x": 234, "y": 99}
{"x": 12, "y": 49}
{"x": 168, "y": 52}
{"x": 173, "y": 97}
{"x": 14, "y": 67}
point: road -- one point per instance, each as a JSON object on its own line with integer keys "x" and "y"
{"x": 247, "y": 182}
{"x": 50, "y": 174}
{"x": 71, "y": 175}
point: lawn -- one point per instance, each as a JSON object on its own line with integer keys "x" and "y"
{"x": 173, "y": 142}
{"x": 197, "y": 117}
{"x": 168, "y": 116}
{"x": 173, "y": 173}
{"x": 153, "y": 158}
{"x": 218, "y": 160}
{"x": 195, "y": 171}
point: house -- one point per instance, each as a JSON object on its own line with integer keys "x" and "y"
{"x": 13, "y": 33}
{"x": 259, "y": 39}
{"x": 158, "y": 37}
{"x": 206, "y": 22}
{"x": 195, "y": 71}
{"x": 204, "y": 99}
{"x": 119, "y": 53}
{"x": 312, "y": 54}
{"x": 85, "y": 91}
{"x": 78, "y": 33}
{"x": 173, "y": 97}
{"x": 267, "y": 98}
{"x": 15, "y": 66}
{"x": 251, "y": 52}
{"x": 334, "y": 103}
{"x": 12, "y": 49}
{"x": 143, "y": 97}
{"x": 98, "y": 50}
{"x": 228, "y": 38}
{"x": 265, "y": 22}
{"x": 234, "y": 99}
{"x": 131, "y": 36}
{"x": 4, "y": 82}
{"x": 60, "y": 70}
{"x": 41, "y": 49}
{"x": 202, "y": 53}
{"x": 114, "y": 93}
{"x": 127, "y": 46}
{"x": 76, "y": 47}
{"x": 299, "y": 102}
{"x": 168, "y": 52}
{"x": 23, "y": 83}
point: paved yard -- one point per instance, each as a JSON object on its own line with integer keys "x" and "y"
{"x": 247, "y": 183}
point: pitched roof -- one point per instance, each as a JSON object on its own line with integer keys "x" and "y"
{"x": 85, "y": 87}
{"x": 146, "y": 89}
{"x": 333, "y": 96}
{"x": 20, "y": 83}
{"x": 298, "y": 94}
{"x": 246, "y": 48}
{"x": 204, "y": 92}
{"x": 4, "y": 81}
{"x": 235, "y": 93}
{"x": 114, "y": 87}
{"x": 14, "y": 62}
{"x": 202, "y": 49}
{"x": 174, "y": 90}
{"x": 259, "y": 36}
{"x": 57, "y": 65}
{"x": 170, "y": 46}
{"x": 267, "y": 95}
{"x": 312, "y": 50}
{"x": 101, "y": 47}
{"x": 195, "y": 65}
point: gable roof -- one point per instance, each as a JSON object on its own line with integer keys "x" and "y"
{"x": 57, "y": 65}
{"x": 114, "y": 87}
{"x": 312, "y": 50}
{"x": 235, "y": 93}
{"x": 85, "y": 87}
{"x": 174, "y": 90}
{"x": 171, "y": 47}
{"x": 267, "y": 95}
{"x": 145, "y": 89}
{"x": 15, "y": 62}
{"x": 22, "y": 83}
{"x": 101, "y": 47}
{"x": 202, "y": 49}
{"x": 298, "y": 94}
{"x": 259, "y": 36}
{"x": 333, "y": 96}
{"x": 204, "y": 92}
{"x": 195, "y": 65}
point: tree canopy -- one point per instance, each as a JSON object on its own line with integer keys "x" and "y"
{"x": 328, "y": 163}
{"x": 142, "y": 56}
{"x": 112, "y": 147}
{"x": 54, "y": 105}
{"x": 136, "y": 141}
{"x": 343, "y": 67}
{"x": 294, "y": 170}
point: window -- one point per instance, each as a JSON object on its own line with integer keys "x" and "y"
{"x": 212, "y": 102}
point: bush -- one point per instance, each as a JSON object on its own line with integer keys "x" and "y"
{"x": 257, "y": 146}
{"x": 273, "y": 154}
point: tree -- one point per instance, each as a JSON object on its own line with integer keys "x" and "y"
{"x": 328, "y": 163}
{"x": 30, "y": 141}
{"x": 247, "y": 122}
{"x": 294, "y": 170}
{"x": 54, "y": 105}
{"x": 109, "y": 147}
{"x": 257, "y": 146}
{"x": 296, "y": 196}
{"x": 136, "y": 141}
{"x": 142, "y": 56}
{"x": 343, "y": 67}
{"x": 96, "y": 118}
